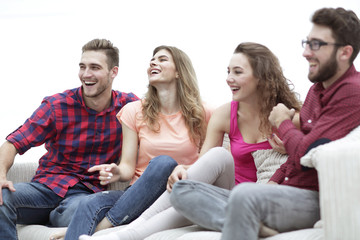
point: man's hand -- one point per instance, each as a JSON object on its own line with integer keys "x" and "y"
{"x": 7, "y": 156}
{"x": 5, "y": 184}
{"x": 109, "y": 173}
{"x": 178, "y": 173}
{"x": 279, "y": 114}
{"x": 277, "y": 144}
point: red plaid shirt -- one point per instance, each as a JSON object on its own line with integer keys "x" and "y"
{"x": 75, "y": 136}
{"x": 326, "y": 114}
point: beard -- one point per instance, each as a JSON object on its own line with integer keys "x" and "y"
{"x": 95, "y": 94}
{"x": 328, "y": 70}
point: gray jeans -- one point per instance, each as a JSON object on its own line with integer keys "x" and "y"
{"x": 238, "y": 213}
{"x": 201, "y": 203}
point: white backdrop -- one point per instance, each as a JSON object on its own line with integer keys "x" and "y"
{"x": 41, "y": 40}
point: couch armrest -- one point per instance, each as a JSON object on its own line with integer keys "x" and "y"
{"x": 338, "y": 166}
{"x": 339, "y": 177}
{"x": 22, "y": 171}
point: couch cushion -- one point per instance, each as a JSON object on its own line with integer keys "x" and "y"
{"x": 173, "y": 234}
{"x": 208, "y": 235}
{"x": 198, "y": 233}
{"x": 305, "y": 234}
{"x": 36, "y": 232}
{"x": 267, "y": 162}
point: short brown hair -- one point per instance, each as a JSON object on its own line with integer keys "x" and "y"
{"x": 345, "y": 26}
{"x": 111, "y": 52}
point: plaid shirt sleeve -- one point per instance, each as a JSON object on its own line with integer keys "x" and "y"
{"x": 36, "y": 130}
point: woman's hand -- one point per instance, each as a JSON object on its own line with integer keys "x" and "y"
{"x": 109, "y": 173}
{"x": 178, "y": 173}
{"x": 277, "y": 144}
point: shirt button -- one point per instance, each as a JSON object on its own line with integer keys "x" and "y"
{"x": 286, "y": 178}
{"x": 309, "y": 121}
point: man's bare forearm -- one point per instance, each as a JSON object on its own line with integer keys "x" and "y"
{"x": 7, "y": 156}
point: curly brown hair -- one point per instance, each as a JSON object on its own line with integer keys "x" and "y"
{"x": 188, "y": 94}
{"x": 273, "y": 87}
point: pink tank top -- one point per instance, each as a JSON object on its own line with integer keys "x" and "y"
{"x": 245, "y": 170}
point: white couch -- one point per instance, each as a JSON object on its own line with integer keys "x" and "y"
{"x": 338, "y": 165}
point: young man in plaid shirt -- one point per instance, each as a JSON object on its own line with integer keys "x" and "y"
{"x": 80, "y": 130}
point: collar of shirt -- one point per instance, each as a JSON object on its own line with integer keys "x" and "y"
{"x": 79, "y": 94}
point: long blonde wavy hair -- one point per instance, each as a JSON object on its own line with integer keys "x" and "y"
{"x": 188, "y": 95}
{"x": 273, "y": 87}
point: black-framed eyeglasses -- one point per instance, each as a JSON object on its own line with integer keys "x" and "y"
{"x": 316, "y": 44}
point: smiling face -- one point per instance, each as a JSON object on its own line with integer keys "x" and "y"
{"x": 162, "y": 68}
{"x": 94, "y": 74}
{"x": 323, "y": 65}
{"x": 240, "y": 79}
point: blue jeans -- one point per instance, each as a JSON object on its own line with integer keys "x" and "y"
{"x": 122, "y": 207}
{"x": 34, "y": 203}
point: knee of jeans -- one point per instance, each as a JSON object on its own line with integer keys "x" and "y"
{"x": 90, "y": 201}
{"x": 243, "y": 194}
{"x": 164, "y": 159}
{"x": 179, "y": 190}
{"x": 163, "y": 162}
